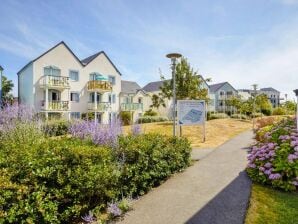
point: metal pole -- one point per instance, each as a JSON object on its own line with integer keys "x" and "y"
{"x": 174, "y": 95}
{"x": 254, "y": 106}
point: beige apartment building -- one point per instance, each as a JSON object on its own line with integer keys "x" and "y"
{"x": 58, "y": 83}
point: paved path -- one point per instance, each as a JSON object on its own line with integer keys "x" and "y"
{"x": 214, "y": 190}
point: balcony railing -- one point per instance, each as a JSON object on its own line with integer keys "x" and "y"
{"x": 99, "y": 86}
{"x": 54, "y": 81}
{"x": 99, "y": 106}
{"x": 55, "y": 105}
{"x": 131, "y": 106}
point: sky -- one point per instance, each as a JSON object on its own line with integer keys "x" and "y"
{"x": 239, "y": 41}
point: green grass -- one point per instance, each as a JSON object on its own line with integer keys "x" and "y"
{"x": 268, "y": 205}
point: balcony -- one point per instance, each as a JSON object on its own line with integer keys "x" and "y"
{"x": 54, "y": 82}
{"x": 131, "y": 106}
{"x": 99, "y": 86}
{"x": 99, "y": 106}
{"x": 55, "y": 105}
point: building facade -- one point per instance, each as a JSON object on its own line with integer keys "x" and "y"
{"x": 219, "y": 94}
{"x": 58, "y": 83}
{"x": 273, "y": 96}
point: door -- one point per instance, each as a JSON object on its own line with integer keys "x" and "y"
{"x": 55, "y": 96}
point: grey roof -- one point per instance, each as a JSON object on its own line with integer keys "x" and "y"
{"x": 155, "y": 86}
{"x": 83, "y": 62}
{"x": 217, "y": 86}
{"x": 269, "y": 89}
{"x": 129, "y": 86}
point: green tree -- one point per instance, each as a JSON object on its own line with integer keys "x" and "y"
{"x": 263, "y": 105}
{"x": 7, "y": 86}
{"x": 235, "y": 101}
{"x": 189, "y": 85}
{"x": 290, "y": 107}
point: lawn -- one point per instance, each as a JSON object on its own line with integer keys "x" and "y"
{"x": 218, "y": 131}
{"x": 272, "y": 206}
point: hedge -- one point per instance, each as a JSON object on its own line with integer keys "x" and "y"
{"x": 218, "y": 116}
{"x": 56, "y": 127}
{"x": 61, "y": 180}
{"x": 151, "y": 119}
{"x": 239, "y": 116}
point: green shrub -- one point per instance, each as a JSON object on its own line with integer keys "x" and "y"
{"x": 88, "y": 116}
{"x": 150, "y": 112}
{"x": 279, "y": 111}
{"x": 56, "y": 127}
{"x": 150, "y": 119}
{"x": 218, "y": 116}
{"x": 60, "y": 180}
{"x": 149, "y": 160}
{"x": 266, "y": 112}
{"x": 56, "y": 181}
{"x": 239, "y": 116}
{"x": 125, "y": 117}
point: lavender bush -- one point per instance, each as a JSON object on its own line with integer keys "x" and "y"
{"x": 136, "y": 129}
{"x": 99, "y": 134}
{"x": 274, "y": 159}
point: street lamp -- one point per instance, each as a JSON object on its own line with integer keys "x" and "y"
{"x": 1, "y": 70}
{"x": 296, "y": 93}
{"x": 174, "y": 57}
{"x": 254, "y": 105}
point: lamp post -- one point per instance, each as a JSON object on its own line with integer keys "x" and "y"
{"x": 296, "y": 93}
{"x": 1, "y": 70}
{"x": 174, "y": 57}
{"x": 254, "y": 105}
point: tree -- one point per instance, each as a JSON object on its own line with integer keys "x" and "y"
{"x": 189, "y": 85}
{"x": 235, "y": 101}
{"x": 263, "y": 104}
{"x": 290, "y": 107}
{"x": 7, "y": 86}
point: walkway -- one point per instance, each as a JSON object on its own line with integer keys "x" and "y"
{"x": 214, "y": 190}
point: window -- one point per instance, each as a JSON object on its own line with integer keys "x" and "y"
{"x": 74, "y": 75}
{"x": 92, "y": 98}
{"x": 140, "y": 100}
{"x": 75, "y": 115}
{"x": 74, "y": 97}
{"x": 112, "y": 98}
{"x": 112, "y": 79}
{"x": 52, "y": 70}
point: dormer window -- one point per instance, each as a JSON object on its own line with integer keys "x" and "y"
{"x": 52, "y": 71}
{"x": 112, "y": 80}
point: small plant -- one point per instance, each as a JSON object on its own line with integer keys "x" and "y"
{"x": 150, "y": 112}
{"x": 125, "y": 117}
{"x": 114, "y": 210}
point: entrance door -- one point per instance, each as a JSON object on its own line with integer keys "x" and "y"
{"x": 99, "y": 117}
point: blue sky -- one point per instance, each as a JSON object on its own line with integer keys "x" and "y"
{"x": 240, "y": 41}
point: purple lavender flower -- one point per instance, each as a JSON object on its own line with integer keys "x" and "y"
{"x": 89, "y": 218}
{"x": 274, "y": 176}
{"x": 114, "y": 210}
{"x": 268, "y": 165}
{"x": 295, "y": 183}
{"x": 261, "y": 168}
{"x": 292, "y": 157}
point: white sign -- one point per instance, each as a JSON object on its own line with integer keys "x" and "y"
{"x": 191, "y": 112}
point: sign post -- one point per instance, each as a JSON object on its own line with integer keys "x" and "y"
{"x": 192, "y": 112}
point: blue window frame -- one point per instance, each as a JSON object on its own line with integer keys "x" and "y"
{"x": 74, "y": 97}
{"x": 112, "y": 79}
{"x": 74, "y": 75}
{"x": 75, "y": 115}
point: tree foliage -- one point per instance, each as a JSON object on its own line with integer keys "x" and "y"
{"x": 7, "y": 86}
{"x": 189, "y": 85}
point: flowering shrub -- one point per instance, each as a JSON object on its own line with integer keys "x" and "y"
{"x": 274, "y": 159}
{"x": 99, "y": 134}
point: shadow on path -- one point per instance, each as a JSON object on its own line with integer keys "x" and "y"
{"x": 227, "y": 207}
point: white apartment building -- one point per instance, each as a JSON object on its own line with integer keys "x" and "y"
{"x": 57, "y": 82}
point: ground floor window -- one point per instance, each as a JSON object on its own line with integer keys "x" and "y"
{"x": 75, "y": 115}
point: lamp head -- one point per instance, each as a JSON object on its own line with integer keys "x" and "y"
{"x": 173, "y": 55}
{"x": 296, "y": 92}
{"x": 255, "y": 86}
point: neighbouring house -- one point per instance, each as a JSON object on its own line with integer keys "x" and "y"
{"x": 58, "y": 83}
{"x": 272, "y": 94}
{"x": 244, "y": 94}
{"x": 219, "y": 94}
{"x": 133, "y": 99}
{"x": 154, "y": 88}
